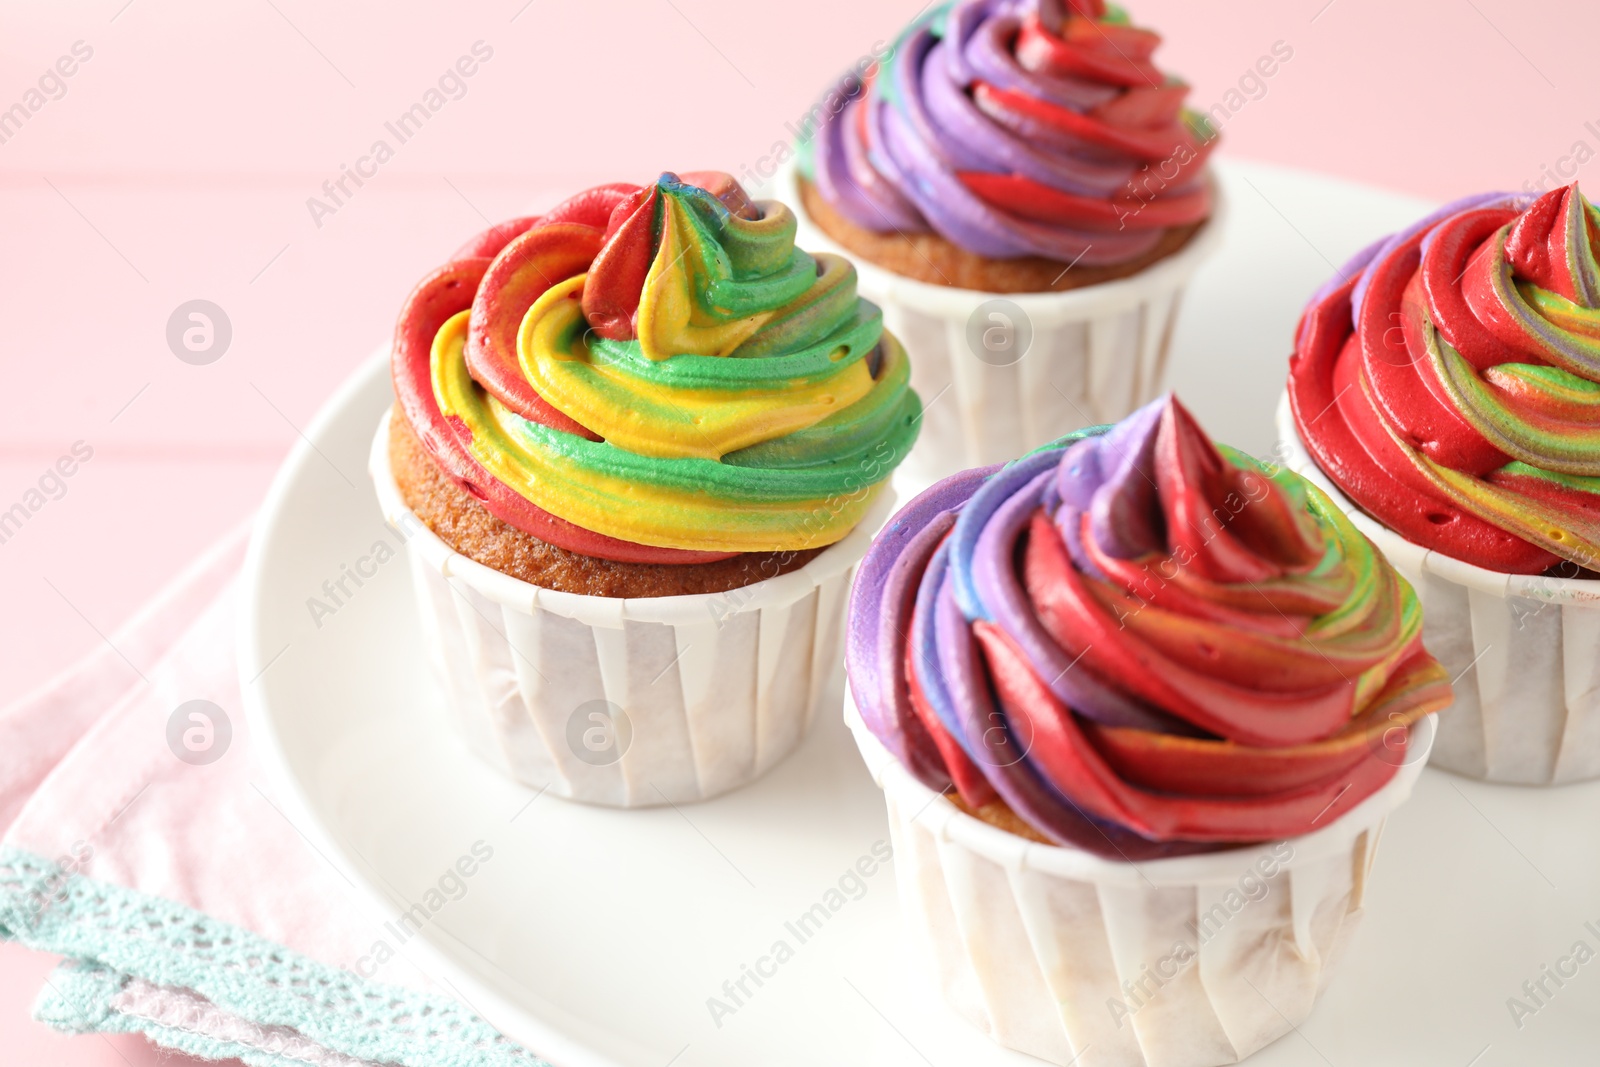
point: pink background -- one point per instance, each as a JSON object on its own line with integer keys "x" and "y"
{"x": 179, "y": 160}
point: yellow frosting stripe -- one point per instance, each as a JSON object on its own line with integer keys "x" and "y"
{"x": 646, "y": 500}
{"x": 1561, "y": 312}
{"x": 671, "y": 321}
{"x": 657, "y": 515}
{"x": 653, "y": 419}
{"x": 694, "y": 302}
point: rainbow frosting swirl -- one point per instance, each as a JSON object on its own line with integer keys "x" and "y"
{"x": 1140, "y": 644}
{"x": 657, "y": 375}
{"x": 1449, "y": 382}
{"x": 1018, "y": 128}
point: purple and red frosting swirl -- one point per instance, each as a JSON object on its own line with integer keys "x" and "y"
{"x": 1018, "y": 128}
{"x": 1140, "y": 643}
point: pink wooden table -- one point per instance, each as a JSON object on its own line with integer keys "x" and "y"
{"x": 176, "y": 161}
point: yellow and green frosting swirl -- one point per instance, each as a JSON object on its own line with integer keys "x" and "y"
{"x": 744, "y": 397}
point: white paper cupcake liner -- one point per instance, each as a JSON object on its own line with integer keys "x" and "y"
{"x": 1001, "y": 374}
{"x": 1193, "y": 961}
{"x": 629, "y": 703}
{"x": 1523, "y": 651}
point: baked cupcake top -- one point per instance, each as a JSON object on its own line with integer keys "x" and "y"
{"x": 1139, "y": 643}
{"x": 1018, "y": 128}
{"x": 1448, "y": 381}
{"x": 656, "y": 375}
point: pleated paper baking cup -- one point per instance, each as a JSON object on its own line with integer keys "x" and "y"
{"x": 1001, "y": 374}
{"x": 1193, "y": 961}
{"x": 1523, "y": 650}
{"x": 629, "y": 702}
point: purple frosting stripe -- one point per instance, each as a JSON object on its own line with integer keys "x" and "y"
{"x": 833, "y": 174}
{"x": 994, "y": 577}
{"x": 873, "y": 667}
{"x": 987, "y": 59}
{"x": 988, "y": 146}
{"x": 881, "y": 196}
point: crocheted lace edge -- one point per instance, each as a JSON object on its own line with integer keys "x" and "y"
{"x": 126, "y": 978}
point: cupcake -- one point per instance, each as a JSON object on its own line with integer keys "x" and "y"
{"x": 643, "y": 440}
{"x": 1445, "y": 388}
{"x": 1139, "y": 705}
{"x": 1026, "y": 195}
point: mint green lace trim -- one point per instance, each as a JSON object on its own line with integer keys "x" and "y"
{"x": 117, "y": 935}
{"x": 77, "y": 1000}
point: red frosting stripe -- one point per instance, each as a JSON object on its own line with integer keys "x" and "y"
{"x": 611, "y": 293}
{"x": 1082, "y": 625}
{"x": 1142, "y": 142}
{"x": 1030, "y": 200}
{"x": 1224, "y": 812}
{"x": 527, "y": 267}
{"x": 1091, "y": 50}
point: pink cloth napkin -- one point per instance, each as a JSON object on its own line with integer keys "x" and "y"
{"x": 189, "y": 907}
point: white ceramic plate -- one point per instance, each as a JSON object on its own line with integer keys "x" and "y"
{"x": 596, "y": 937}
